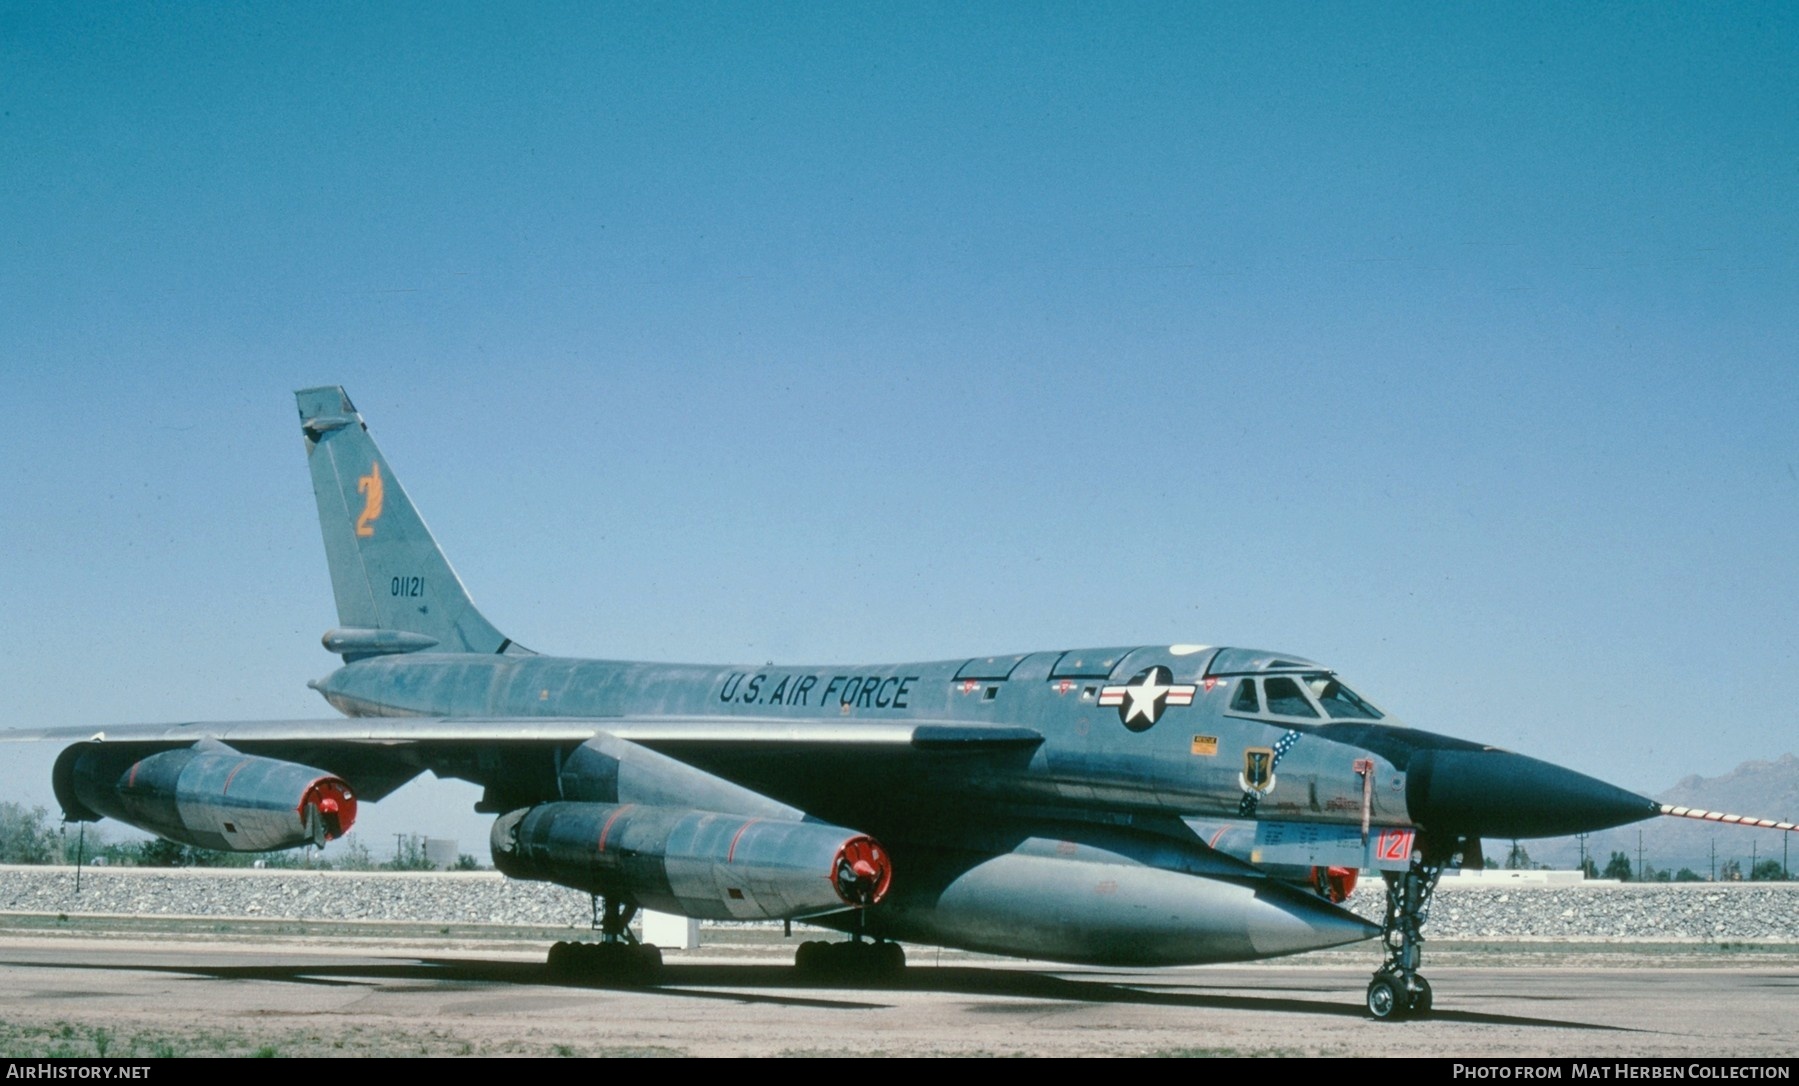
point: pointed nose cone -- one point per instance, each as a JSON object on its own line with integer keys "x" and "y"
{"x": 1495, "y": 793}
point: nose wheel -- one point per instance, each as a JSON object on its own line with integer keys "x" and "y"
{"x": 1390, "y": 996}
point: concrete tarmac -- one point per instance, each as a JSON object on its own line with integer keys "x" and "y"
{"x": 136, "y": 996}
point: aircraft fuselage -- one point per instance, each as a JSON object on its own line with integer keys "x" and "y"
{"x": 1175, "y": 748}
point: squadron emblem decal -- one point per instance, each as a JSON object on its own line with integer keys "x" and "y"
{"x": 1258, "y": 770}
{"x": 1257, "y": 778}
{"x": 1141, "y": 701}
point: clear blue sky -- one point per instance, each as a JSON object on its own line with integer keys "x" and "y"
{"x": 1456, "y": 347}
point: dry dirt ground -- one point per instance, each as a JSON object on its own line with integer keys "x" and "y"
{"x": 202, "y": 988}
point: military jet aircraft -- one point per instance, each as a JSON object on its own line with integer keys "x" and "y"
{"x": 1131, "y": 806}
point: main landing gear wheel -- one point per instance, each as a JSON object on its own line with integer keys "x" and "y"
{"x": 855, "y": 960}
{"x": 628, "y": 963}
{"x": 617, "y": 957}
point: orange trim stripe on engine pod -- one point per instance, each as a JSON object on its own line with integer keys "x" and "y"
{"x": 731, "y": 853}
{"x": 607, "y": 828}
{"x": 229, "y": 777}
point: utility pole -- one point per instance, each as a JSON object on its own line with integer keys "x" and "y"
{"x": 1639, "y": 855}
{"x": 1714, "y": 859}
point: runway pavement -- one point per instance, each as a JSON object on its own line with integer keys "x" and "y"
{"x": 138, "y": 995}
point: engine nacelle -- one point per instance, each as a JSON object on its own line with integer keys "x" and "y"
{"x": 207, "y": 795}
{"x": 694, "y": 863}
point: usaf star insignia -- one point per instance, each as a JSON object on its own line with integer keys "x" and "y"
{"x": 1141, "y": 701}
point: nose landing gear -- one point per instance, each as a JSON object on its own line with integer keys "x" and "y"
{"x": 1397, "y": 990}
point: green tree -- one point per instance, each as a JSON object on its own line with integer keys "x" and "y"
{"x": 1618, "y": 867}
{"x": 1589, "y": 869}
{"x": 353, "y": 856}
{"x": 1687, "y": 874}
{"x": 409, "y": 855}
{"x": 1767, "y": 871}
{"x": 1517, "y": 859}
{"x": 26, "y": 836}
{"x": 161, "y": 852}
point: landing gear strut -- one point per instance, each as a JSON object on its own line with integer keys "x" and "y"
{"x": 618, "y": 956}
{"x": 1397, "y": 990}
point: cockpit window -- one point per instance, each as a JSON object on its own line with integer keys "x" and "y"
{"x": 1286, "y": 699}
{"x": 1339, "y": 701}
{"x": 1300, "y": 697}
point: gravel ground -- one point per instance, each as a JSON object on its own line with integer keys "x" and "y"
{"x": 1696, "y": 912}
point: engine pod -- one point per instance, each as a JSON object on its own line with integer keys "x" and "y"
{"x": 209, "y": 796}
{"x": 694, "y": 863}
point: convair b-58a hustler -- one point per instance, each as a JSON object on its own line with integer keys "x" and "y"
{"x": 1134, "y": 806}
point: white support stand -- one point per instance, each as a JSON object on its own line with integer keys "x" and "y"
{"x": 670, "y": 932}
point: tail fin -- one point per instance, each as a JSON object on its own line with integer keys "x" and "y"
{"x": 395, "y": 589}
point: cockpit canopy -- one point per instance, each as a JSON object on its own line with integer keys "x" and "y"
{"x": 1276, "y": 686}
{"x": 1309, "y": 695}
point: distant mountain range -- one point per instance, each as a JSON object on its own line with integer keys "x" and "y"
{"x": 1757, "y": 789}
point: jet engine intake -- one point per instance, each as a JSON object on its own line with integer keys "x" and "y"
{"x": 207, "y": 795}
{"x": 695, "y": 863}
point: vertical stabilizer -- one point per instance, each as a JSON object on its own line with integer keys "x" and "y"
{"x": 395, "y": 589}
